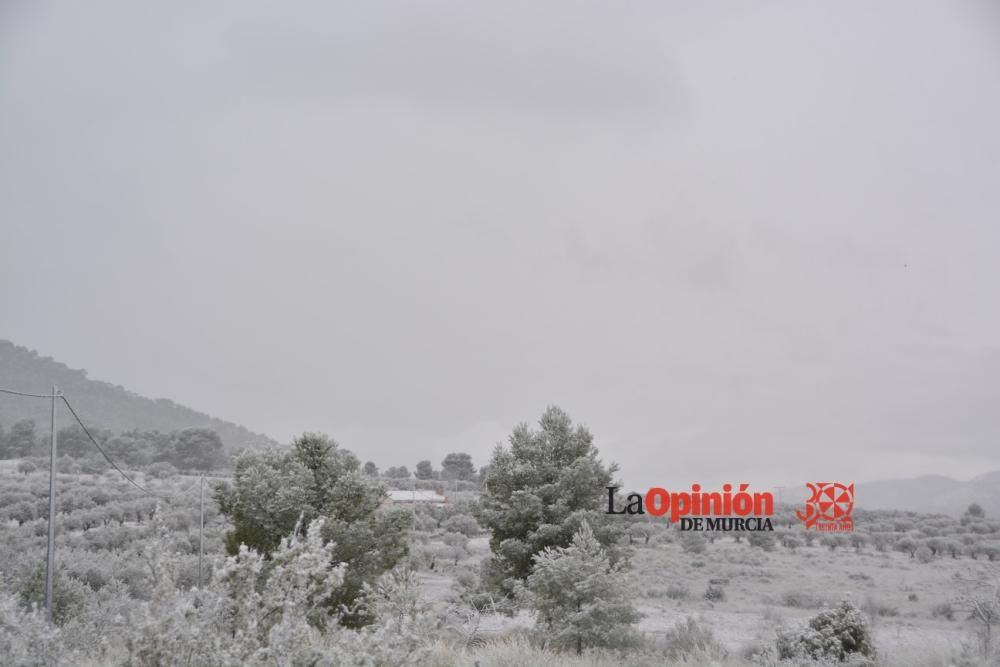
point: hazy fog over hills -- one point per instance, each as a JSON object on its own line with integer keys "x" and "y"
{"x": 100, "y": 404}
{"x": 116, "y": 408}
{"x": 747, "y": 241}
{"x": 935, "y": 494}
{"x": 932, "y": 493}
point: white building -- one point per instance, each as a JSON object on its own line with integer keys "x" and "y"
{"x": 416, "y": 496}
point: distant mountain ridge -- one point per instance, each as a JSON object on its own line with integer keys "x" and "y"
{"x": 929, "y": 494}
{"x": 932, "y": 493}
{"x": 101, "y": 404}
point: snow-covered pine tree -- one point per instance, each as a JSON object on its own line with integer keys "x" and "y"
{"x": 578, "y": 597}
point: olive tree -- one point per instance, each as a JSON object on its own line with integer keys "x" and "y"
{"x": 980, "y": 597}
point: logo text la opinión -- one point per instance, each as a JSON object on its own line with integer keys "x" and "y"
{"x": 701, "y": 510}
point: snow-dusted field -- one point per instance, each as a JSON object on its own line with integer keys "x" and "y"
{"x": 766, "y": 592}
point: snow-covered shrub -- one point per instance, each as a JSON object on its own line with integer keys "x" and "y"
{"x": 840, "y": 634}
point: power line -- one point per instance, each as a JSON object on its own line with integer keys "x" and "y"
{"x": 105, "y": 454}
{"x": 50, "y": 559}
{"x": 22, "y": 393}
{"x": 89, "y": 435}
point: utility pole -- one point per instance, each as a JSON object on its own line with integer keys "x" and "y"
{"x": 201, "y": 531}
{"x": 50, "y": 561}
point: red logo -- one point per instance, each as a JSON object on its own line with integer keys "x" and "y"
{"x": 829, "y": 507}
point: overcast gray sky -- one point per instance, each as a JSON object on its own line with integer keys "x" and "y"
{"x": 740, "y": 242}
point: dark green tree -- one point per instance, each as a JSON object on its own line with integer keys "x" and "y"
{"x": 458, "y": 466}
{"x": 72, "y": 441}
{"x": 975, "y": 510}
{"x": 425, "y": 470}
{"x": 272, "y": 490}
{"x": 198, "y": 449}
{"x": 21, "y": 440}
{"x": 398, "y": 472}
{"x": 130, "y": 448}
{"x": 370, "y": 469}
{"x": 163, "y": 445}
{"x": 539, "y": 491}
